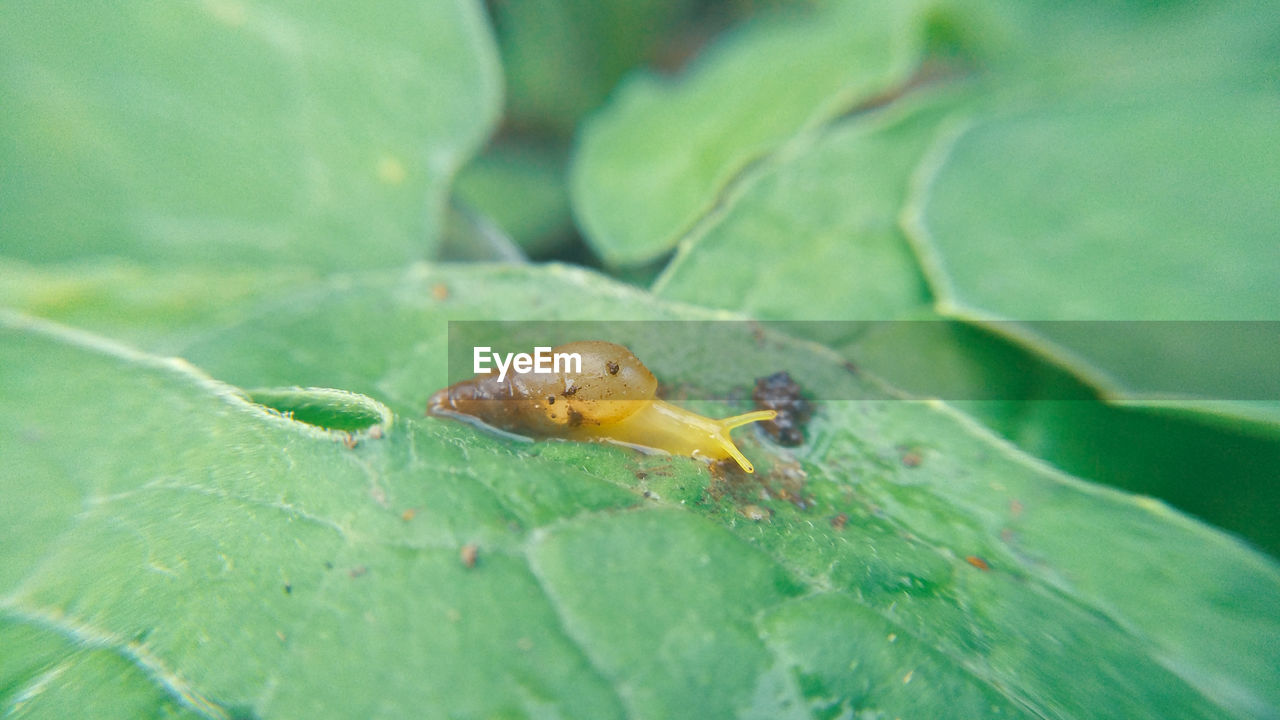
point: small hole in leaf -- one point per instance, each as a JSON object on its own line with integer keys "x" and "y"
{"x": 324, "y": 407}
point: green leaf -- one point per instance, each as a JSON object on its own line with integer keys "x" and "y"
{"x": 130, "y": 302}
{"x": 688, "y": 641}
{"x": 1108, "y": 211}
{"x": 238, "y": 134}
{"x": 663, "y": 151}
{"x": 237, "y": 559}
{"x": 1219, "y": 469}
{"x": 1120, "y": 174}
{"x": 1093, "y": 186}
{"x": 838, "y": 199}
{"x": 523, "y": 190}
{"x": 224, "y": 558}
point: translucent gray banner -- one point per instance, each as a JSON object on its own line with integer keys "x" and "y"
{"x": 718, "y": 360}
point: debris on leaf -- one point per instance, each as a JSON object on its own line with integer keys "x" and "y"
{"x": 779, "y": 392}
{"x": 468, "y": 554}
{"x": 911, "y": 457}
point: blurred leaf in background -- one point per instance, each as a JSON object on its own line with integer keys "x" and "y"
{"x": 238, "y": 133}
{"x": 658, "y": 158}
{"x": 561, "y": 59}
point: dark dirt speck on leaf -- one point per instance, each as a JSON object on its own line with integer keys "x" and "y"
{"x": 781, "y": 393}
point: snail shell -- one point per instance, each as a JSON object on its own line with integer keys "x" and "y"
{"x": 612, "y": 399}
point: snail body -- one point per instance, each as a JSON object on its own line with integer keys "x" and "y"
{"x": 612, "y": 398}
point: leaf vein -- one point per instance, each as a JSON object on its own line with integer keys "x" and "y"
{"x": 165, "y": 678}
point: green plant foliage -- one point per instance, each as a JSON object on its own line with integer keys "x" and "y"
{"x": 223, "y": 498}
{"x": 1118, "y": 170}
{"x": 660, "y": 155}
{"x": 606, "y": 583}
{"x": 1165, "y": 216}
{"x": 238, "y": 132}
{"x": 848, "y": 182}
{"x": 844, "y": 257}
{"x": 135, "y": 304}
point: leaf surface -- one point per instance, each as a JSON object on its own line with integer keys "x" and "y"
{"x": 243, "y": 563}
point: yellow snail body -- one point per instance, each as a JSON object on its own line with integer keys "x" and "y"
{"x": 612, "y": 399}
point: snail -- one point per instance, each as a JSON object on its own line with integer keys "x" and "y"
{"x": 609, "y": 397}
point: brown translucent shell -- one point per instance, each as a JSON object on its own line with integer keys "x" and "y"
{"x": 612, "y": 386}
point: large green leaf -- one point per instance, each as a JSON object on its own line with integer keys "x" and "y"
{"x": 159, "y": 310}
{"x": 1122, "y": 175}
{"x": 215, "y": 558}
{"x": 1162, "y": 216}
{"x": 837, "y": 200}
{"x": 242, "y": 133}
{"x": 1092, "y": 182}
{"x": 662, "y": 152}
